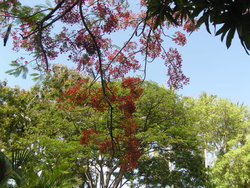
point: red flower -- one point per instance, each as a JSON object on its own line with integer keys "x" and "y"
{"x": 130, "y": 82}
{"x": 106, "y": 146}
{"x": 180, "y": 38}
{"x": 87, "y": 136}
{"x": 133, "y": 152}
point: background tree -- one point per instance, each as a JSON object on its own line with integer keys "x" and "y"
{"x": 31, "y": 120}
{"x": 232, "y": 168}
{"x": 219, "y": 121}
{"x": 223, "y": 128}
{"x": 172, "y": 155}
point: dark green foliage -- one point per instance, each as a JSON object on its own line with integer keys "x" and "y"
{"x": 13, "y": 169}
{"x": 229, "y": 15}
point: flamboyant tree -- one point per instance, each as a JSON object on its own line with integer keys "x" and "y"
{"x": 83, "y": 32}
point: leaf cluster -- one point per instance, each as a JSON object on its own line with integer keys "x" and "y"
{"x": 229, "y": 15}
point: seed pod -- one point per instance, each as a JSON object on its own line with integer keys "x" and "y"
{"x": 7, "y": 35}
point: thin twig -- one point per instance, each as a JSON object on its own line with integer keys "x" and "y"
{"x": 112, "y": 60}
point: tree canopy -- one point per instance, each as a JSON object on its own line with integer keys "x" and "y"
{"x": 159, "y": 139}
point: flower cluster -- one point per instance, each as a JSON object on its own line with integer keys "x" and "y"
{"x": 174, "y": 63}
{"x": 122, "y": 96}
{"x": 76, "y": 95}
{"x": 133, "y": 152}
{"x": 111, "y": 24}
{"x": 180, "y": 38}
{"x": 87, "y": 136}
{"x": 189, "y": 26}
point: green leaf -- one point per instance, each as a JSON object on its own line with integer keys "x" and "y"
{"x": 24, "y": 71}
{"x": 222, "y": 36}
{"x": 20, "y": 157}
{"x": 223, "y": 29}
{"x": 14, "y": 63}
{"x": 239, "y": 30}
{"x": 36, "y": 78}
{"x": 207, "y": 24}
{"x": 15, "y": 72}
{"x": 223, "y": 18}
{"x": 230, "y": 37}
{"x": 34, "y": 74}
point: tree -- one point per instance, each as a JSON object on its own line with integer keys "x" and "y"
{"x": 172, "y": 150}
{"x": 232, "y": 169}
{"x": 44, "y": 32}
{"x": 55, "y": 126}
{"x": 223, "y": 128}
{"x": 158, "y": 137}
{"x": 31, "y": 121}
{"x": 219, "y": 121}
{"x": 157, "y": 112}
{"x": 231, "y": 15}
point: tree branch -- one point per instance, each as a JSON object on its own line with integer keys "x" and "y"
{"x": 102, "y": 74}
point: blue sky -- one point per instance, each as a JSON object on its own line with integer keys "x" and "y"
{"x": 215, "y": 69}
{"x": 212, "y": 68}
